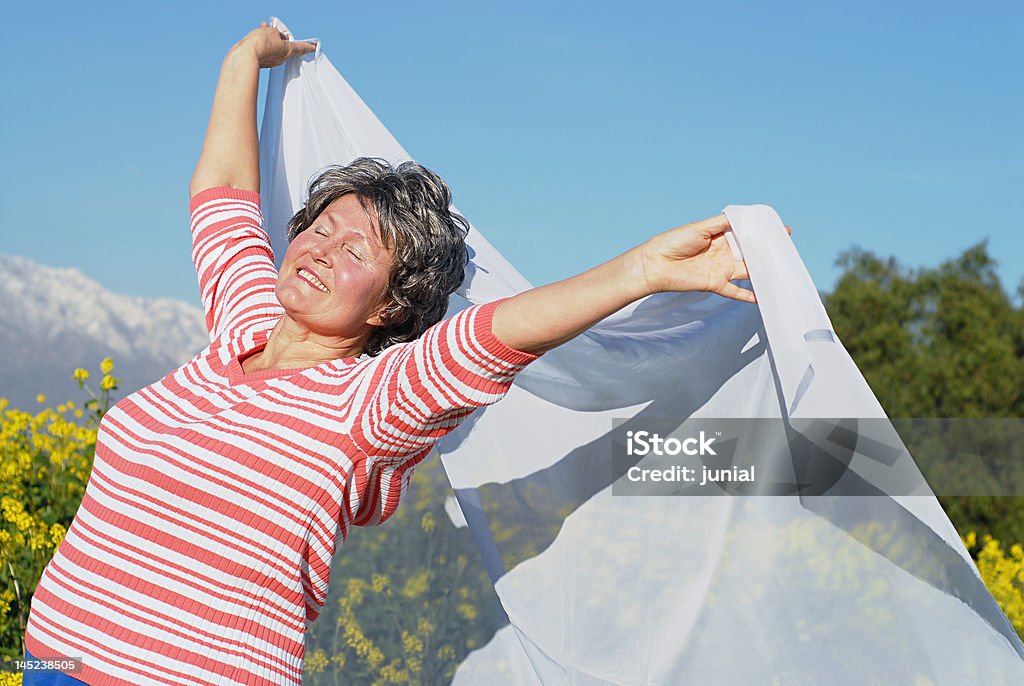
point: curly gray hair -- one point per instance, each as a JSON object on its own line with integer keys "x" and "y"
{"x": 414, "y": 219}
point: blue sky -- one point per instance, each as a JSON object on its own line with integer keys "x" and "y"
{"x": 568, "y": 131}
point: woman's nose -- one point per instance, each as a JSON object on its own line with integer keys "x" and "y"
{"x": 320, "y": 253}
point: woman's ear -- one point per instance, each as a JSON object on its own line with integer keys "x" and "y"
{"x": 379, "y": 318}
{"x": 384, "y": 315}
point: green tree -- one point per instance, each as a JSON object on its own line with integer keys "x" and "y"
{"x": 938, "y": 342}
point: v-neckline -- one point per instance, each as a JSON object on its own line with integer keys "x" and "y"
{"x": 237, "y": 374}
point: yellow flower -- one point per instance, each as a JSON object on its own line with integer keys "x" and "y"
{"x": 427, "y": 523}
{"x": 355, "y": 591}
{"x": 393, "y": 674}
{"x": 417, "y": 584}
{"x": 38, "y": 540}
{"x": 411, "y": 644}
{"x": 467, "y": 611}
{"x": 316, "y": 662}
{"x": 57, "y": 532}
{"x": 107, "y": 365}
{"x": 1004, "y": 576}
{"x": 40, "y": 398}
{"x": 80, "y": 375}
{"x": 380, "y": 582}
{"x": 108, "y": 383}
{"x": 10, "y": 679}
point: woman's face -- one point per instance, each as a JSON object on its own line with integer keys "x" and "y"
{"x": 335, "y": 274}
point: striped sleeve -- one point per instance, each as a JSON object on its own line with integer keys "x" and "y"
{"x": 233, "y": 257}
{"x": 424, "y": 391}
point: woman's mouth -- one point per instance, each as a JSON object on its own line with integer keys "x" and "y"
{"x": 312, "y": 279}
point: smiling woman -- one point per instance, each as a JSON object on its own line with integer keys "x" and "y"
{"x": 374, "y": 256}
{"x": 400, "y": 217}
{"x": 202, "y": 550}
{"x": 333, "y": 283}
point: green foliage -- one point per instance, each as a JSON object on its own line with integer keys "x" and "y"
{"x": 408, "y": 600}
{"x": 938, "y": 342}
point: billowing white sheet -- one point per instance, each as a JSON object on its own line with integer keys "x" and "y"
{"x": 603, "y": 589}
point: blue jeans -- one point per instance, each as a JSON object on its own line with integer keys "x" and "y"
{"x": 48, "y": 677}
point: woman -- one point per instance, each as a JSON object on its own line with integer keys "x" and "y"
{"x": 202, "y": 548}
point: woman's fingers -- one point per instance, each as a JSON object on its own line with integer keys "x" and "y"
{"x": 731, "y": 290}
{"x": 739, "y": 272}
{"x": 718, "y": 224}
{"x": 299, "y": 47}
{"x": 273, "y": 47}
{"x": 711, "y": 226}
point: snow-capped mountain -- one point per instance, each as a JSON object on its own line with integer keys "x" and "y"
{"x": 55, "y": 320}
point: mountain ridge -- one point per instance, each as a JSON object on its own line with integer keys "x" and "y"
{"x": 57, "y": 319}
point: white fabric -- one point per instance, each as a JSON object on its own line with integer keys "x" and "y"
{"x": 603, "y": 589}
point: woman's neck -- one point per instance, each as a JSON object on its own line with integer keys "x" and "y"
{"x": 292, "y": 346}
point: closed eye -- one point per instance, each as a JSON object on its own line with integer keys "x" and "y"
{"x": 355, "y": 254}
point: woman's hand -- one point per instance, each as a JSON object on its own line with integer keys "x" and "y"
{"x": 230, "y": 149}
{"x": 231, "y": 155}
{"x": 694, "y": 257}
{"x": 272, "y": 47}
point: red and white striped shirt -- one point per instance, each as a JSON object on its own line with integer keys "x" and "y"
{"x": 202, "y": 548}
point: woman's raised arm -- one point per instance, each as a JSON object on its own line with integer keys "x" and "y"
{"x": 693, "y": 257}
{"x": 231, "y": 155}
